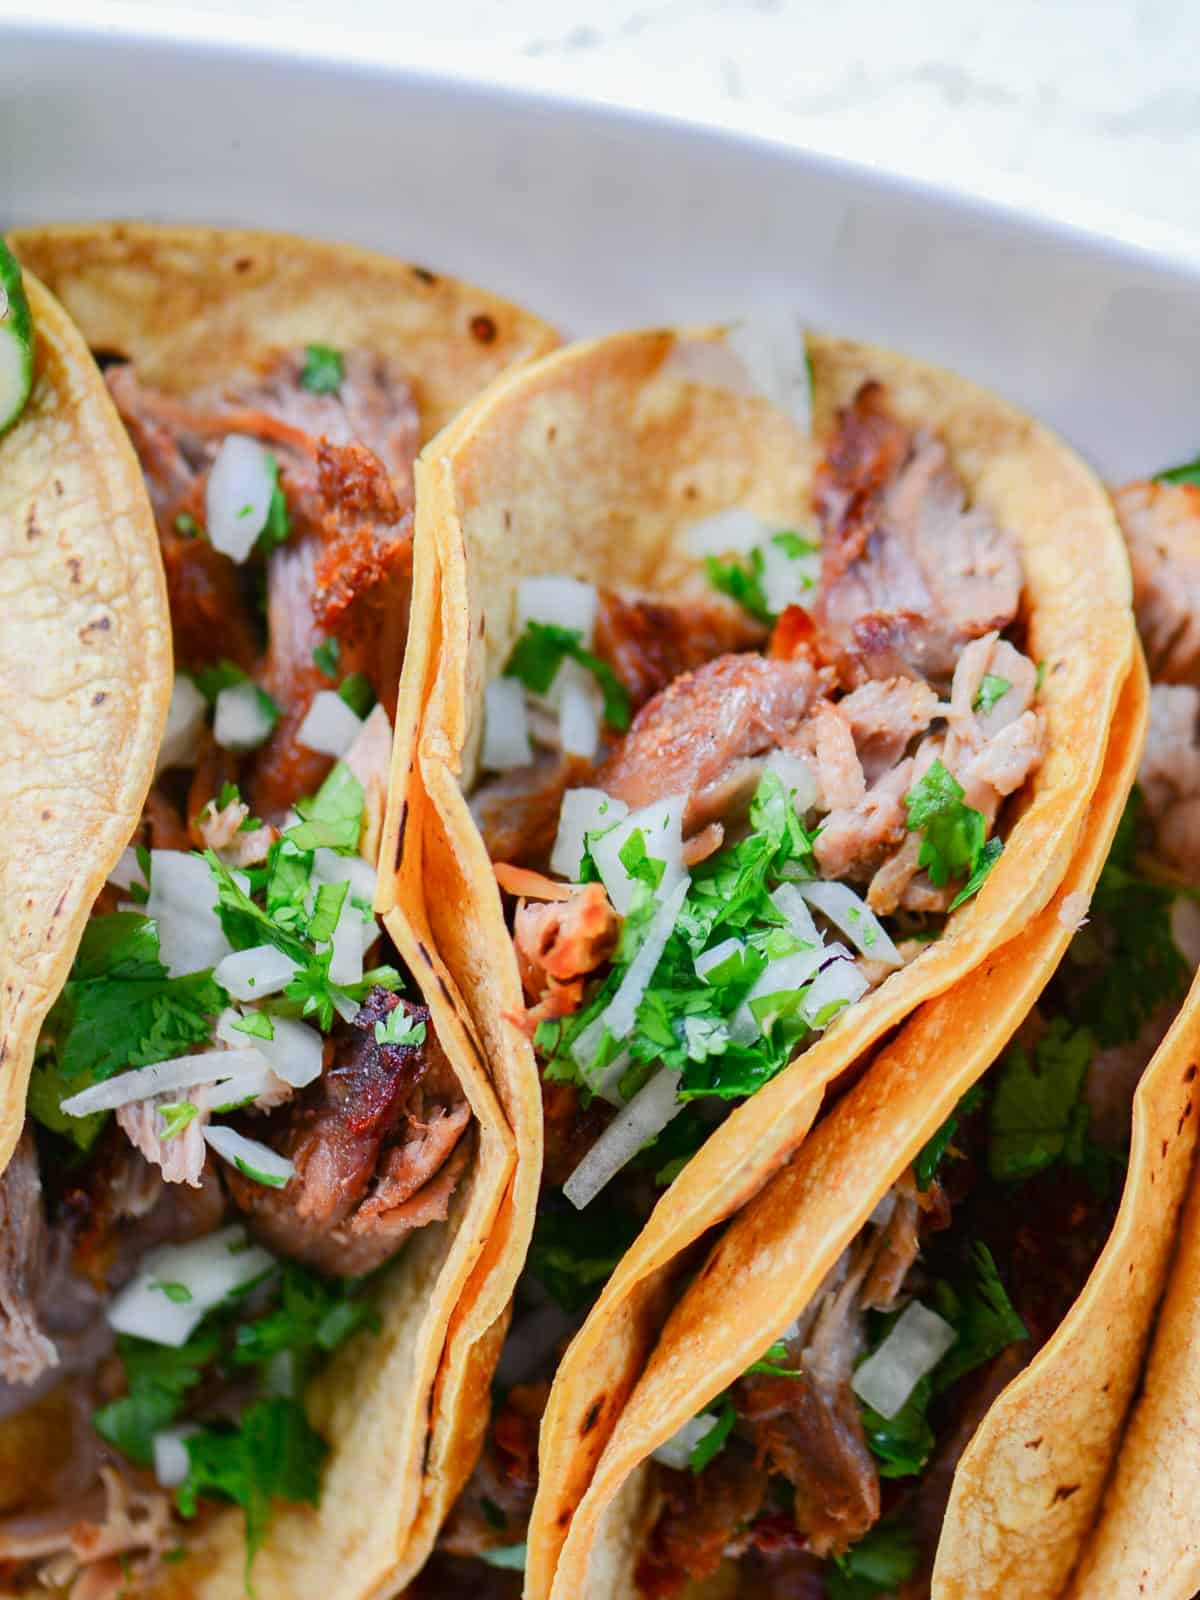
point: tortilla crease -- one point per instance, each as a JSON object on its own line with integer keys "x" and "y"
{"x": 1146, "y": 1540}
{"x": 194, "y": 307}
{"x": 1025, "y": 1489}
{"x": 593, "y": 463}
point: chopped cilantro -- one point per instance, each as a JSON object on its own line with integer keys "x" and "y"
{"x": 159, "y": 1378}
{"x": 954, "y": 836}
{"x": 713, "y": 1442}
{"x": 541, "y": 650}
{"x": 1034, "y": 1101}
{"x": 901, "y": 1444}
{"x": 743, "y": 582}
{"x": 177, "y": 1293}
{"x": 223, "y": 674}
{"x": 638, "y": 862}
{"x": 982, "y": 1315}
{"x": 357, "y": 692}
{"x": 991, "y": 690}
{"x": 176, "y": 1116}
{"x": 278, "y": 525}
{"x": 257, "y": 1024}
{"x": 186, "y": 526}
{"x": 327, "y": 908}
{"x": 325, "y": 656}
{"x": 877, "y": 1565}
{"x": 44, "y": 1097}
{"x": 1189, "y": 472}
{"x": 323, "y": 370}
{"x": 246, "y": 924}
{"x": 773, "y": 1363}
{"x": 984, "y": 863}
{"x": 333, "y": 816}
{"x": 312, "y": 1314}
{"x": 399, "y": 1029}
{"x": 574, "y": 1256}
{"x": 930, "y": 1155}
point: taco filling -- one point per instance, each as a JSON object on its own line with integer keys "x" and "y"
{"x": 826, "y": 1468}
{"x": 722, "y": 817}
{"x": 236, "y": 1114}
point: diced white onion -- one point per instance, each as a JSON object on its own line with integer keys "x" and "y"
{"x": 788, "y": 580}
{"x": 237, "y": 497}
{"x": 717, "y": 956}
{"x": 180, "y": 745}
{"x": 346, "y": 1007}
{"x": 568, "y": 602}
{"x": 618, "y": 1016}
{"x": 780, "y": 977}
{"x": 171, "y": 1460}
{"x": 796, "y": 775}
{"x": 581, "y": 811}
{"x": 253, "y": 974}
{"x": 505, "y": 726}
{"x": 243, "y": 1089}
{"x": 346, "y": 963}
{"x": 329, "y": 726}
{"x": 331, "y": 866}
{"x": 209, "y": 1269}
{"x": 661, "y": 826}
{"x": 917, "y": 1342}
{"x": 772, "y": 349}
{"x": 608, "y": 1083}
{"x": 181, "y": 900}
{"x": 182, "y": 1072}
{"x": 840, "y": 981}
{"x": 255, "y": 1160}
{"x": 295, "y": 1053}
{"x": 676, "y": 1451}
{"x": 241, "y": 721}
{"x": 127, "y": 871}
{"x": 732, "y": 532}
{"x": 791, "y": 905}
{"x": 579, "y": 722}
{"x": 643, "y": 1119}
{"x": 851, "y": 915}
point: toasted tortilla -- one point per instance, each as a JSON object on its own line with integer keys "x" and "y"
{"x": 194, "y": 307}
{"x": 593, "y": 463}
{"x": 1146, "y": 1540}
{"x": 1025, "y": 1489}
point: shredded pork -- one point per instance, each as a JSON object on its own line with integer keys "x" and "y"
{"x": 1161, "y": 524}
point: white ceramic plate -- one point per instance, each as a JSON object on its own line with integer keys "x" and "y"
{"x": 597, "y": 214}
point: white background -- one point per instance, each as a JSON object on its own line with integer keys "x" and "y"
{"x": 1093, "y": 106}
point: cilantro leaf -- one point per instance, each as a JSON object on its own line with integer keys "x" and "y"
{"x": 983, "y": 1317}
{"x": 773, "y": 1363}
{"x": 930, "y": 1155}
{"x": 638, "y": 862}
{"x": 187, "y": 527}
{"x": 325, "y": 656}
{"x": 574, "y": 1256}
{"x": 878, "y": 1564}
{"x": 541, "y": 650}
{"x": 323, "y": 371}
{"x": 159, "y": 1378}
{"x": 313, "y": 1313}
{"x": 713, "y": 1442}
{"x": 327, "y": 908}
{"x": 991, "y": 690}
{"x": 222, "y": 674}
{"x": 399, "y": 1028}
{"x": 984, "y": 862}
{"x": 1189, "y": 472}
{"x": 278, "y": 525}
{"x": 245, "y": 923}
{"x": 333, "y": 816}
{"x": 176, "y": 1116}
{"x": 1034, "y": 1101}
{"x": 901, "y": 1444}
{"x": 357, "y": 692}
{"x": 953, "y": 835}
{"x": 743, "y": 582}
{"x": 43, "y": 1100}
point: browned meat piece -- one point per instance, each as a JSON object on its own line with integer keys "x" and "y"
{"x": 559, "y": 942}
{"x": 1170, "y": 776}
{"x": 106, "y": 1541}
{"x": 885, "y": 715}
{"x": 210, "y": 619}
{"x": 25, "y": 1349}
{"x": 517, "y": 812}
{"x": 701, "y": 1514}
{"x": 493, "y": 1509}
{"x": 897, "y": 1249}
{"x": 162, "y": 828}
{"x": 215, "y": 768}
{"x": 852, "y": 842}
{"x": 827, "y": 744}
{"x": 1161, "y": 524}
{"x": 909, "y": 573}
{"x": 703, "y": 727}
{"x": 776, "y": 1568}
{"x": 378, "y": 1145}
{"x": 650, "y": 642}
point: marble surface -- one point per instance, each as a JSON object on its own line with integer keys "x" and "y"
{"x": 1091, "y": 105}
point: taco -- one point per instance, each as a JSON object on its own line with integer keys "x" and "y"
{"x": 720, "y": 820}
{"x": 905, "y": 1366}
{"x": 251, "y": 1164}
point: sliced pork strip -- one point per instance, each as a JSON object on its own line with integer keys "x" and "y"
{"x": 688, "y": 737}
{"x": 26, "y": 1351}
{"x": 517, "y": 811}
{"x": 885, "y": 716}
{"x": 650, "y": 641}
{"x": 853, "y": 842}
{"x": 179, "y": 1158}
{"x": 702, "y": 1515}
{"x": 1161, "y": 524}
{"x": 563, "y": 939}
{"x": 910, "y": 573}
{"x": 826, "y": 742}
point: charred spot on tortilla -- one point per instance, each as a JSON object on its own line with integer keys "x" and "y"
{"x": 1064, "y": 1491}
{"x": 106, "y": 358}
{"x": 74, "y": 567}
{"x": 423, "y": 275}
{"x": 592, "y": 1417}
{"x": 483, "y": 328}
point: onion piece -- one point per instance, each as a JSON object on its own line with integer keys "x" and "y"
{"x": 579, "y": 722}
{"x": 918, "y": 1340}
{"x": 206, "y": 1270}
{"x": 607, "y": 1084}
{"x": 143, "y": 1083}
{"x": 253, "y": 974}
{"x": 296, "y": 1053}
{"x": 346, "y": 963}
{"x": 186, "y": 714}
{"x": 708, "y": 960}
{"x": 331, "y": 866}
{"x": 241, "y": 719}
{"x": 256, "y": 1161}
{"x": 797, "y": 776}
{"x": 181, "y": 900}
{"x": 566, "y": 602}
{"x": 346, "y": 1007}
{"x": 851, "y": 915}
{"x": 792, "y": 907}
{"x": 788, "y": 580}
{"x": 329, "y": 726}
{"x": 128, "y": 870}
{"x": 620, "y": 1014}
{"x": 735, "y": 531}
{"x": 772, "y": 349}
{"x": 676, "y": 1452}
{"x": 839, "y": 984}
{"x": 237, "y": 496}
{"x": 231, "y": 1094}
{"x": 582, "y": 811}
{"x": 505, "y": 726}
{"x": 171, "y": 1460}
{"x": 643, "y": 1119}
{"x": 661, "y": 827}
{"x": 781, "y": 977}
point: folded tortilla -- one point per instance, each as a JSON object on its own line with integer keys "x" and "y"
{"x": 1028, "y": 1483}
{"x": 191, "y": 307}
{"x": 593, "y": 464}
